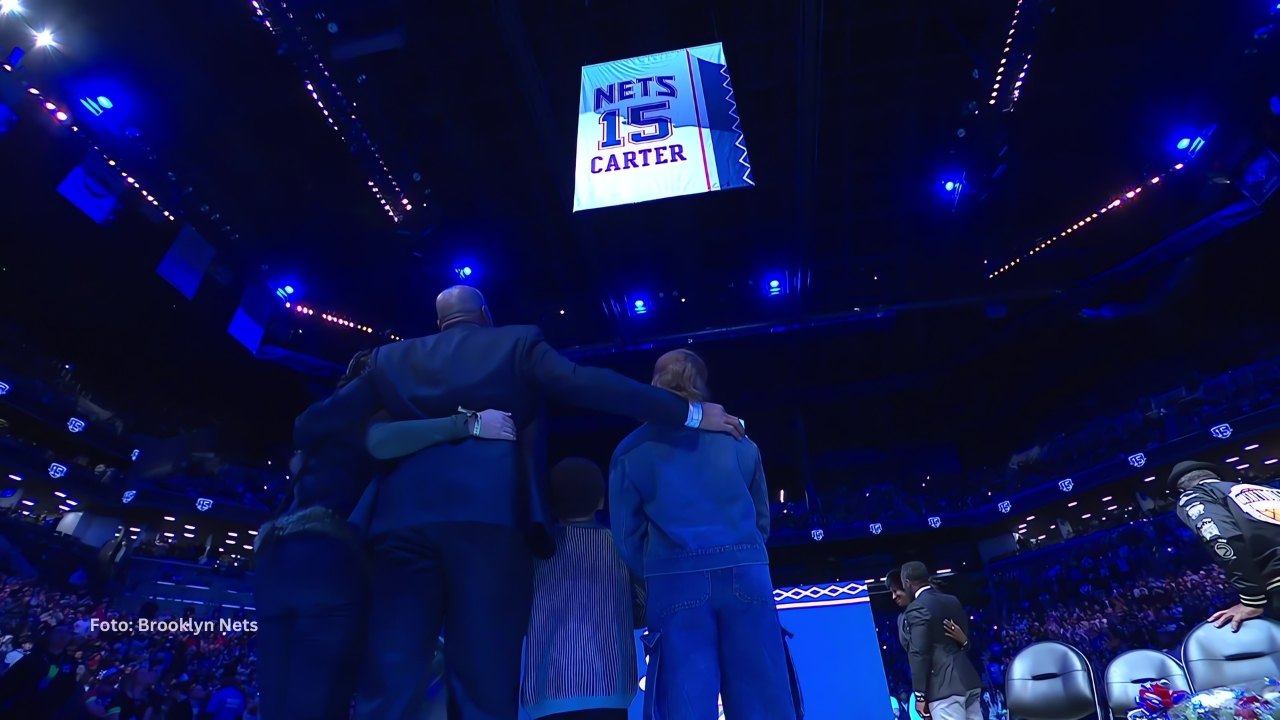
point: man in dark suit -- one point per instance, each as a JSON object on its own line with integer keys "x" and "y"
{"x": 452, "y": 525}
{"x": 944, "y": 681}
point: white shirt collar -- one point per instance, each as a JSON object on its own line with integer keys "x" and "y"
{"x": 926, "y": 587}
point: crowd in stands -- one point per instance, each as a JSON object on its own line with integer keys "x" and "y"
{"x": 1141, "y": 586}
{"x": 62, "y": 659}
{"x": 1194, "y": 407}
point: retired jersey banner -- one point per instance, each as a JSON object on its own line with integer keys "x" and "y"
{"x": 658, "y": 126}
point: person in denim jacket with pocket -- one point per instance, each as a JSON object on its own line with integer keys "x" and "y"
{"x": 690, "y": 513}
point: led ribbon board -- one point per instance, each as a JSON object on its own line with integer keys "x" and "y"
{"x": 658, "y": 126}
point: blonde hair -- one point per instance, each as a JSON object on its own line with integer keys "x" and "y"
{"x": 683, "y": 373}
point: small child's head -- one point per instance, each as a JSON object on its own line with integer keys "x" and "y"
{"x": 577, "y": 489}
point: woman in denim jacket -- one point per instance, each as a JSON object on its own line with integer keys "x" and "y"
{"x": 690, "y": 513}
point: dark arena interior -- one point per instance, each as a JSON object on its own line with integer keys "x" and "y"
{"x": 974, "y": 279}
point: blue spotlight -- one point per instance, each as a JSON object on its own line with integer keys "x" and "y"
{"x": 463, "y": 272}
{"x": 105, "y": 102}
{"x": 775, "y": 287}
{"x": 1184, "y": 143}
{"x": 288, "y": 289}
{"x": 949, "y": 186}
{"x": 640, "y": 308}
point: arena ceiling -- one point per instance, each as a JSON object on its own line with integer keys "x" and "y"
{"x": 891, "y": 336}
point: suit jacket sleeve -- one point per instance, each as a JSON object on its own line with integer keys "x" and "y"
{"x": 387, "y": 440}
{"x": 597, "y": 388}
{"x": 626, "y": 515}
{"x": 920, "y": 652}
{"x": 350, "y": 406}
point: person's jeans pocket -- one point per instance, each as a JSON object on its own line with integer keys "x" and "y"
{"x": 670, "y": 594}
{"x": 752, "y": 585}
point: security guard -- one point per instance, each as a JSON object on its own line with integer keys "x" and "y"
{"x": 1240, "y": 523}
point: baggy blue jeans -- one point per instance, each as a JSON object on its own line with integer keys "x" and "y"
{"x": 717, "y": 633}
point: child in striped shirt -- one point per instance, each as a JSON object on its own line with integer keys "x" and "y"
{"x": 580, "y": 655}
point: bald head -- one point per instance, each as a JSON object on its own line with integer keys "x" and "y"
{"x": 461, "y": 304}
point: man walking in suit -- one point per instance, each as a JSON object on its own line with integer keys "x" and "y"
{"x": 453, "y": 524}
{"x": 945, "y": 683}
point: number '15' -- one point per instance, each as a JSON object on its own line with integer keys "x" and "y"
{"x": 653, "y": 127}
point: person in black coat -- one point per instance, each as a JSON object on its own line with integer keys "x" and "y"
{"x": 455, "y": 525}
{"x": 1240, "y": 524}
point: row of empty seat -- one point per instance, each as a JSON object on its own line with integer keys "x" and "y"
{"x": 1054, "y": 681}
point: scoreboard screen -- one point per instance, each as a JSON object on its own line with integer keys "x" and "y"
{"x": 658, "y": 126}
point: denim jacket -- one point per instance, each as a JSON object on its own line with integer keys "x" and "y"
{"x": 681, "y": 500}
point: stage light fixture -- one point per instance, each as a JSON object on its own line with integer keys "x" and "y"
{"x": 10, "y": 6}
{"x": 44, "y": 38}
{"x": 640, "y": 308}
{"x": 775, "y": 287}
{"x": 61, "y": 116}
{"x": 1184, "y": 143}
{"x": 15, "y": 478}
{"x": 1254, "y": 446}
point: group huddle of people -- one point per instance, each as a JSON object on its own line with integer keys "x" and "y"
{"x": 423, "y": 507}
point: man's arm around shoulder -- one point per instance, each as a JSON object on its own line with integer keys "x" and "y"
{"x": 594, "y": 388}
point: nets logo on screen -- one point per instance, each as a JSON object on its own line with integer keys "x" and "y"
{"x": 658, "y": 126}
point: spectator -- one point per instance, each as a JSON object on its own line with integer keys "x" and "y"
{"x": 229, "y": 702}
